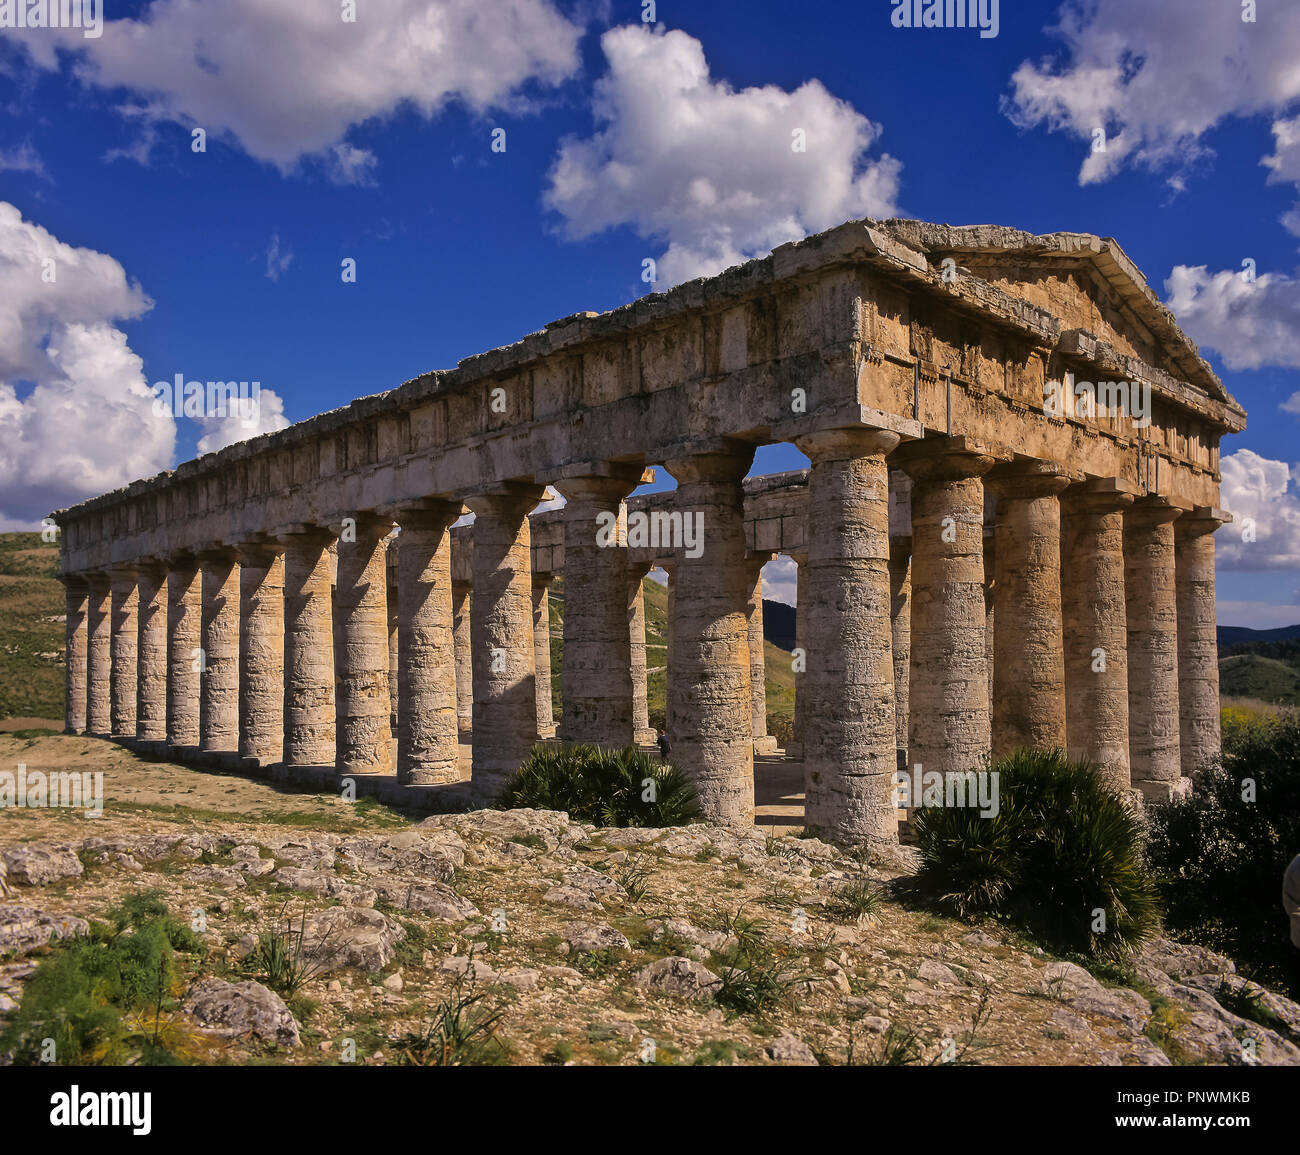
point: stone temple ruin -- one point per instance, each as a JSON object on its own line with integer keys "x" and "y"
{"x": 980, "y": 567}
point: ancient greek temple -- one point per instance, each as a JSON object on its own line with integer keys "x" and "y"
{"x": 981, "y": 567}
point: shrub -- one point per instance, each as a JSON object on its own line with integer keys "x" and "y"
{"x": 603, "y": 787}
{"x": 1219, "y": 854}
{"x": 1061, "y": 846}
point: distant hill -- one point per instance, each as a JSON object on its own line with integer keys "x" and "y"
{"x": 1236, "y": 635}
{"x": 32, "y": 615}
{"x": 778, "y": 624}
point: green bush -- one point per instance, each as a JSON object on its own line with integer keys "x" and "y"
{"x": 1061, "y": 847}
{"x": 603, "y": 787}
{"x": 1219, "y": 854}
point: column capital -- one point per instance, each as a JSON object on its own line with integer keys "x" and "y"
{"x": 74, "y": 582}
{"x": 947, "y": 458}
{"x": 217, "y": 553}
{"x": 517, "y": 498}
{"x": 718, "y": 460}
{"x": 1027, "y": 479}
{"x": 434, "y": 513}
{"x": 1099, "y": 495}
{"x": 843, "y": 444}
{"x": 1151, "y": 511}
{"x": 259, "y": 551}
{"x": 303, "y": 534}
{"x": 596, "y": 488}
{"x": 1202, "y": 520}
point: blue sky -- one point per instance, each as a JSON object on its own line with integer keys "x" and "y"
{"x": 327, "y": 141}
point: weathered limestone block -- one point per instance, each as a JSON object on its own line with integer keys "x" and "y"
{"x": 124, "y": 648}
{"x": 597, "y": 675}
{"x": 1150, "y": 592}
{"x": 361, "y": 695}
{"x": 900, "y": 608}
{"x": 184, "y": 652}
{"x": 426, "y": 667}
{"x": 795, "y": 747}
{"x": 219, "y": 677}
{"x": 709, "y": 702}
{"x": 949, "y": 729}
{"x": 1028, "y": 710}
{"x": 849, "y": 733}
{"x": 460, "y": 608}
{"x": 77, "y": 600}
{"x": 1198, "y": 653}
{"x": 501, "y": 629}
{"x": 642, "y": 734}
{"x": 1096, "y": 632}
{"x": 261, "y": 652}
{"x": 542, "y": 655}
{"x": 308, "y": 650}
{"x": 151, "y": 655}
{"x": 99, "y": 657}
{"x": 763, "y": 742}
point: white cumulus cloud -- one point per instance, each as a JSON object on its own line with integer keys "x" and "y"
{"x": 240, "y": 420}
{"x": 1265, "y": 502}
{"x": 1250, "y": 323}
{"x": 76, "y": 415}
{"x": 287, "y": 79}
{"x": 713, "y": 171}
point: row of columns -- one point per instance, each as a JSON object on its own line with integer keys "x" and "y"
{"x": 1101, "y": 637}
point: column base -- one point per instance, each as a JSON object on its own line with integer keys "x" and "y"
{"x": 1164, "y": 791}
{"x": 765, "y": 745}
{"x": 545, "y": 732}
{"x": 646, "y": 737}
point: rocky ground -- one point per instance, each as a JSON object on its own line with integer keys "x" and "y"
{"x": 572, "y": 944}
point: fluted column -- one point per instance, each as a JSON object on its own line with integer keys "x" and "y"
{"x": 642, "y": 734}
{"x": 219, "y": 681}
{"x": 1149, "y": 586}
{"x": 184, "y": 652}
{"x": 990, "y": 606}
{"x": 597, "y": 674}
{"x": 427, "y": 732}
{"x": 1029, "y": 659}
{"x": 394, "y": 549}
{"x": 151, "y": 656}
{"x": 764, "y": 743}
{"x": 669, "y": 568}
{"x": 1200, "y": 741}
{"x": 501, "y": 631}
{"x": 124, "y": 648}
{"x": 709, "y": 702}
{"x": 850, "y": 756}
{"x": 948, "y": 728}
{"x": 364, "y": 740}
{"x": 900, "y": 606}
{"x": 795, "y": 747}
{"x": 308, "y": 649}
{"x": 99, "y": 656}
{"x": 460, "y": 607}
{"x": 542, "y": 654}
{"x": 76, "y": 595}
{"x": 261, "y": 652}
{"x": 1096, "y": 632}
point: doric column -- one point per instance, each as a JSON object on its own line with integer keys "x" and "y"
{"x": 542, "y": 654}
{"x": 763, "y": 742}
{"x": 948, "y": 701}
{"x": 308, "y": 649}
{"x": 460, "y": 621}
{"x": 900, "y": 610}
{"x": 669, "y": 568}
{"x": 795, "y": 747}
{"x": 1198, "y": 652}
{"x": 76, "y": 595}
{"x": 990, "y": 606}
{"x": 363, "y": 736}
{"x": 219, "y": 681}
{"x": 261, "y": 652}
{"x": 642, "y": 734}
{"x": 849, "y": 736}
{"x": 151, "y": 656}
{"x": 709, "y": 702}
{"x": 1029, "y": 659}
{"x": 1095, "y": 629}
{"x": 99, "y": 656}
{"x": 597, "y": 674}
{"x": 1149, "y": 587}
{"x": 394, "y": 549}
{"x": 427, "y": 738}
{"x": 184, "y": 652}
{"x": 501, "y": 631}
{"x": 124, "y": 647}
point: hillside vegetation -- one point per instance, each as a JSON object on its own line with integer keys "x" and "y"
{"x": 31, "y": 628}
